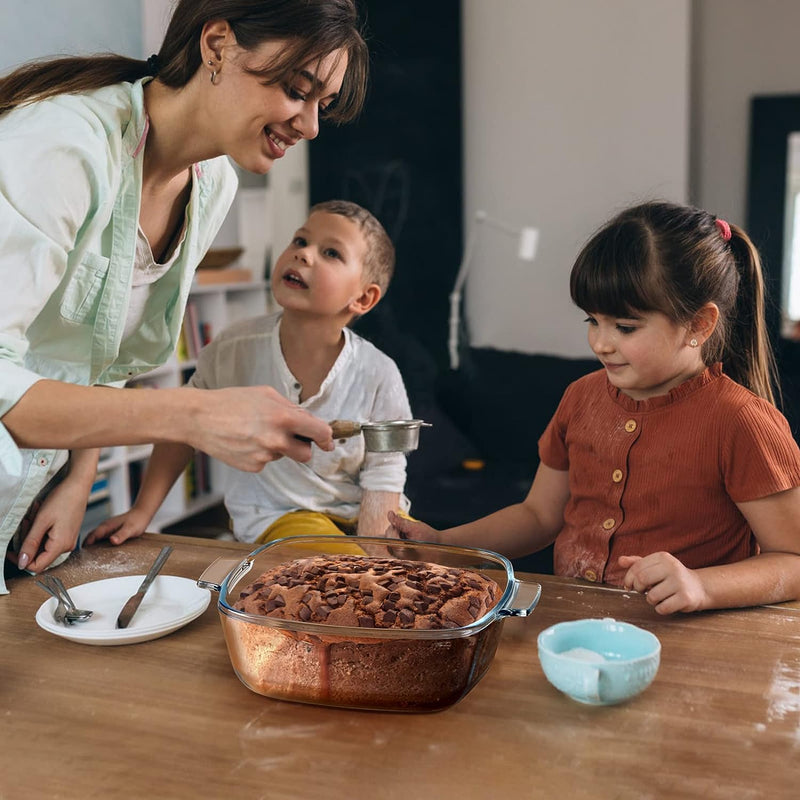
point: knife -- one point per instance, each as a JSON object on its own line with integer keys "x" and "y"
{"x": 129, "y": 609}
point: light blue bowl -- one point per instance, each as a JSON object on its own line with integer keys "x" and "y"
{"x": 599, "y": 661}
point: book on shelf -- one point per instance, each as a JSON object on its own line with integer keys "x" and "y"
{"x": 96, "y": 512}
{"x": 191, "y": 329}
{"x": 181, "y": 350}
{"x": 210, "y": 277}
{"x": 100, "y": 489}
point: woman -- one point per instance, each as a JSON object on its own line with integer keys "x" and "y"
{"x": 113, "y": 184}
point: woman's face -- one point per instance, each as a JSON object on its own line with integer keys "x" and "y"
{"x": 256, "y": 123}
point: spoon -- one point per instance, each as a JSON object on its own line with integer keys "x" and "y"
{"x": 74, "y": 614}
{"x": 66, "y": 611}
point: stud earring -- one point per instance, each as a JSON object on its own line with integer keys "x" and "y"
{"x": 693, "y": 343}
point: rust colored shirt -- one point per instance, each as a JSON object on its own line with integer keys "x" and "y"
{"x": 664, "y": 473}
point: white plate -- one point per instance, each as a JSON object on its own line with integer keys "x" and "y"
{"x": 170, "y": 603}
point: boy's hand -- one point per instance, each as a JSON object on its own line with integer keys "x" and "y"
{"x": 401, "y": 527}
{"x": 668, "y": 585}
{"x": 120, "y": 528}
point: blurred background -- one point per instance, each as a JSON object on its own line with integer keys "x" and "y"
{"x": 545, "y": 115}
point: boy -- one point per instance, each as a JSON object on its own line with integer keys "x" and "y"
{"x": 337, "y": 267}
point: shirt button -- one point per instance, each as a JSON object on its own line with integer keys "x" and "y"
{"x": 630, "y": 425}
{"x": 298, "y": 387}
{"x": 616, "y": 475}
{"x": 43, "y": 462}
{"x": 609, "y": 524}
{"x": 590, "y": 575}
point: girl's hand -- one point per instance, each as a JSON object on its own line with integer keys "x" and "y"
{"x": 55, "y": 527}
{"x": 401, "y": 527}
{"x": 122, "y": 527}
{"x": 668, "y": 585}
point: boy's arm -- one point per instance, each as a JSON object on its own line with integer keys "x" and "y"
{"x": 375, "y": 508}
{"x": 163, "y": 468}
{"x": 515, "y": 530}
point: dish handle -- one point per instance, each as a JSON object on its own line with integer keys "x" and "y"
{"x": 215, "y": 573}
{"x": 528, "y": 593}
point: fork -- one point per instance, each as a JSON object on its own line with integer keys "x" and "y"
{"x": 74, "y": 614}
{"x": 69, "y": 613}
{"x": 60, "y": 613}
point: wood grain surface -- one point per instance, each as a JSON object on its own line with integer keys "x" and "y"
{"x": 169, "y": 718}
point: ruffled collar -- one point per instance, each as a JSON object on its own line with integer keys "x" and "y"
{"x": 707, "y": 376}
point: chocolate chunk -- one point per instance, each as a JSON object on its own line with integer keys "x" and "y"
{"x": 406, "y": 616}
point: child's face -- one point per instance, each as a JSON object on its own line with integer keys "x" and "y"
{"x": 645, "y": 355}
{"x": 322, "y": 269}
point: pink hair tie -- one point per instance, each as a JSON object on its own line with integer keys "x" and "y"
{"x": 724, "y": 229}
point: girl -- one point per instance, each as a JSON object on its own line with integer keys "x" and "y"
{"x": 662, "y": 473}
{"x": 113, "y": 184}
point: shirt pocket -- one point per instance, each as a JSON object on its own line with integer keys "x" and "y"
{"x": 82, "y": 294}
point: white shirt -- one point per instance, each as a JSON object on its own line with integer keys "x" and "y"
{"x": 146, "y": 271}
{"x": 363, "y": 385}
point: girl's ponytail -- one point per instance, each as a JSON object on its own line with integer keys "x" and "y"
{"x": 748, "y": 355}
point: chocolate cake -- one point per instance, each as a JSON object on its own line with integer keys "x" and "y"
{"x": 358, "y": 670}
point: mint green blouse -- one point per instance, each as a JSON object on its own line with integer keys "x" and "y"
{"x": 70, "y": 190}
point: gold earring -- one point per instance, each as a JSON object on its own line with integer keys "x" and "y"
{"x": 693, "y": 343}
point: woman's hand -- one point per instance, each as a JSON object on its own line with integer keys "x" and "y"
{"x": 122, "y": 527}
{"x": 247, "y": 427}
{"x": 54, "y": 527}
{"x": 401, "y": 527}
{"x": 668, "y": 585}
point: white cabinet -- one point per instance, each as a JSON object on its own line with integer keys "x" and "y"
{"x": 201, "y": 486}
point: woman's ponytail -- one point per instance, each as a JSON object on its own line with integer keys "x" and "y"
{"x": 39, "y": 80}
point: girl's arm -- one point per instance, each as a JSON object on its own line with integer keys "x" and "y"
{"x": 773, "y": 576}
{"x": 514, "y": 531}
{"x": 245, "y": 427}
{"x": 163, "y": 468}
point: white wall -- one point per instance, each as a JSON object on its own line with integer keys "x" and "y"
{"x": 741, "y": 48}
{"x": 572, "y": 109}
{"x": 37, "y": 28}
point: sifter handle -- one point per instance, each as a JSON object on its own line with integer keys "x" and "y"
{"x": 345, "y": 428}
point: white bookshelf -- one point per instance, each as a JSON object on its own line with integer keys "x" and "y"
{"x": 119, "y": 469}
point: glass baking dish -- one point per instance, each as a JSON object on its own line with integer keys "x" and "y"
{"x": 366, "y": 668}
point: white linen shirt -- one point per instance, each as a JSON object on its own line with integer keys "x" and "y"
{"x": 70, "y": 190}
{"x": 363, "y": 385}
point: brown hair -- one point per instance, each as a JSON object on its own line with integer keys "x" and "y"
{"x": 379, "y": 261}
{"x": 313, "y": 29}
{"x": 664, "y": 257}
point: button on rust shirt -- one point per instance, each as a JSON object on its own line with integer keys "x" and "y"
{"x": 664, "y": 473}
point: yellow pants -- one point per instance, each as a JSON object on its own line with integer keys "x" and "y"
{"x": 314, "y": 523}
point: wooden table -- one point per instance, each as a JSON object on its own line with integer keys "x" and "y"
{"x": 169, "y": 719}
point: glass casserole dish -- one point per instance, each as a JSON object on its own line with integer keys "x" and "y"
{"x": 382, "y": 668}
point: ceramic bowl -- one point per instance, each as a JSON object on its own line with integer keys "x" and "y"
{"x": 599, "y": 661}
